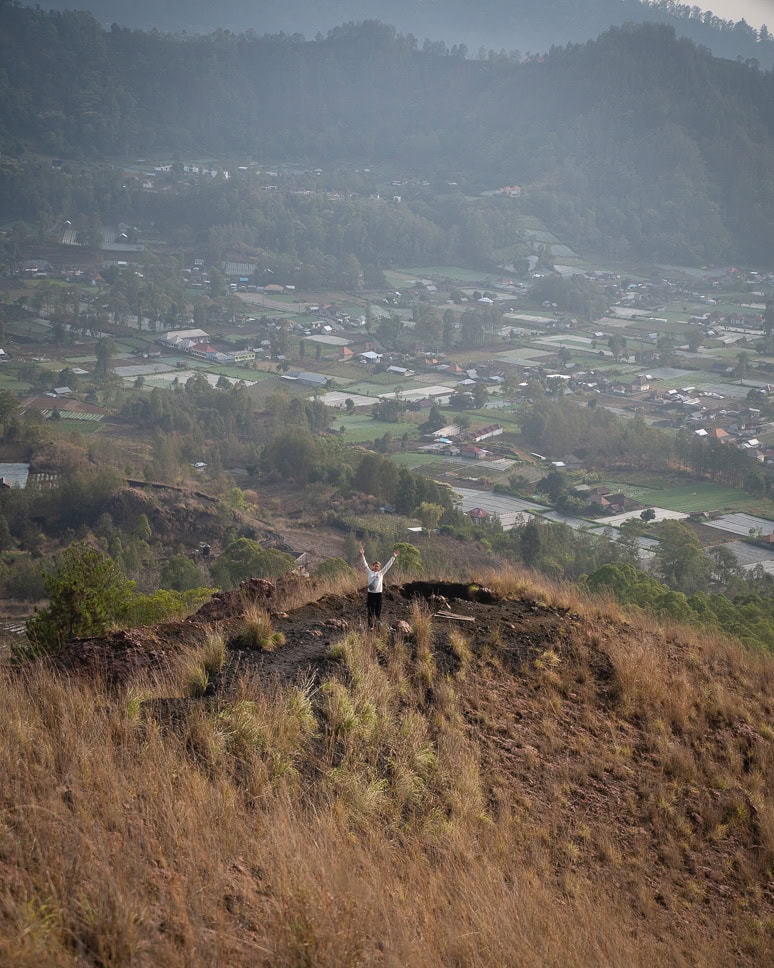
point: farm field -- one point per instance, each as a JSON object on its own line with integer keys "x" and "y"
{"x": 704, "y": 496}
{"x": 359, "y": 427}
{"x": 381, "y": 382}
{"x": 9, "y": 381}
{"x": 484, "y": 418}
{"x": 246, "y": 373}
{"x": 455, "y": 273}
{"x": 412, "y": 460}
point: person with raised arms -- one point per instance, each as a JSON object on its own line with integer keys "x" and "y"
{"x": 375, "y": 586}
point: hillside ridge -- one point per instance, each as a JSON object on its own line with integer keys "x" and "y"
{"x": 631, "y": 762}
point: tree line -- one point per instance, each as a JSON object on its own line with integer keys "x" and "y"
{"x": 637, "y": 143}
{"x": 498, "y": 29}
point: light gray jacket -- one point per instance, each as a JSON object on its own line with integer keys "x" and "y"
{"x": 376, "y": 578}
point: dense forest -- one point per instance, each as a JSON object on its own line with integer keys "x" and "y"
{"x": 635, "y": 144}
{"x": 524, "y": 25}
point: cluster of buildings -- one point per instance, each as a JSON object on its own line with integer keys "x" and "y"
{"x": 196, "y": 343}
{"x": 454, "y": 441}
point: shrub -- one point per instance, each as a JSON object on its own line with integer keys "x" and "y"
{"x": 410, "y": 560}
{"x": 333, "y": 569}
{"x": 24, "y": 580}
{"x": 245, "y": 558}
{"x": 180, "y": 574}
{"x": 165, "y": 605}
{"x": 87, "y": 592}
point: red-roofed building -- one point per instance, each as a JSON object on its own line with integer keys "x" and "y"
{"x": 478, "y": 453}
{"x": 204, "y": 350}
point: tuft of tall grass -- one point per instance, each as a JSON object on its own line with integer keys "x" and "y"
{"x": 214, "y": 651}
{"x": 461, "y": 649}
{"x": 243, "y": 732}
{"x": 421, "y": 621}
{"x": 346, "y": 715}
{"x": 196, "y": 679}
{"x": 258, "y": 631}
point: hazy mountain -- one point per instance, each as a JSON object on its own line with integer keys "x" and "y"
{"x": 524, "y": 25}
{"x": 635, "y": 143}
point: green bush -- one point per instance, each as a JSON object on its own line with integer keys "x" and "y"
{"x": 23, "y": 580}
{"x": 165, "y": 605}
{"x": 333, "y": 568}
{"x": 244, "y": 558}
{"x": 180, "y": 574}
{"x": 87, "y": 594}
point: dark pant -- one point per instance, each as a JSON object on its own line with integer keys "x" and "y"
{"x": 374, "y": 605}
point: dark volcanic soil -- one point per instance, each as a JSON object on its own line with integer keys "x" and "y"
{"x": 519, "y": 627}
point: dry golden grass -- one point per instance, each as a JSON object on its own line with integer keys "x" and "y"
{"x": 196, "y": 679}
{"x": 294, "y": 595}
{"x": 258, "y": 631}
{"x": 513, "y": 582}
{"x": 214, "y": 650}
{"x": 461, "y": 648}
{"x": 421, "y": 621}
{"x": 540, "y": 816}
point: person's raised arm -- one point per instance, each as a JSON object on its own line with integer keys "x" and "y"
{"x": 391, "y": 562}
{"x": 363, "y": 558}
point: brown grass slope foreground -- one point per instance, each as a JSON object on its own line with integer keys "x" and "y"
{"x": 550, "y": 783}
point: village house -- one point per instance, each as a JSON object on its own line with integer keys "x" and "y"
{"x": 609, "y": 503}
{"x": 590, "y": 491}
{"x": 242, "y": 356}
{"x": 183, "y": 338}
{"x": 485, "y": 433}
{"x": 449, "y": 431}
{"x": 315, "y": 379}
{"x": 477, "y": 453}
{"x": 203, "y": 351}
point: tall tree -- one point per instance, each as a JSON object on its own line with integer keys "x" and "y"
{"x": 680, "y": 558}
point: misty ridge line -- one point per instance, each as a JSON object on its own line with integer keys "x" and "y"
{"x": 519, "y": 25}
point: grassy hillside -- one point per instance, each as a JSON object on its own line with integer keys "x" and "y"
{"x": 545, "y": 784}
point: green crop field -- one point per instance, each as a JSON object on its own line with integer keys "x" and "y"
{"x": 412, "y": 460}
{"x": 704, "y": 496}
{"x": 9, "y": 381}
{"x": 454, "y": 273}
{"x": 385, "y": 381}
{"x": 485, "y": 417}
{"x": 359, "y": 427}
{"x": 369, "y": 389}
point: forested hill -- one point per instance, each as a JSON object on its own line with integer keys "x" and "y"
{"x": 525, "y": 25}
{"x": 637, "y": 141}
